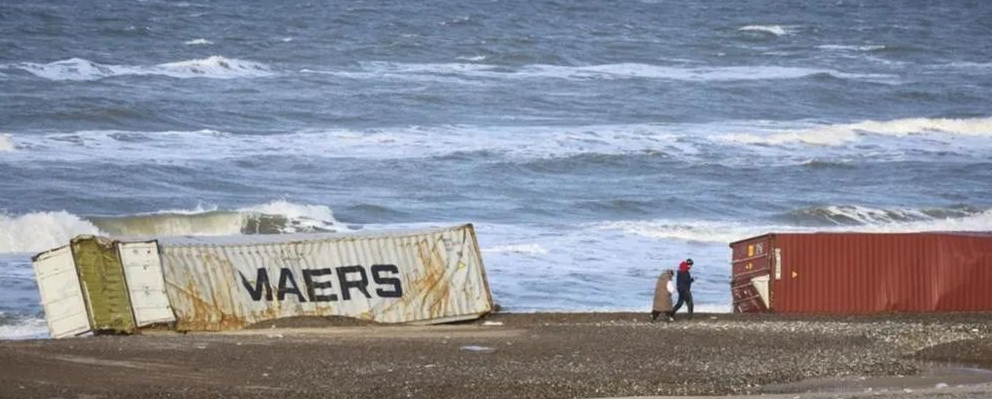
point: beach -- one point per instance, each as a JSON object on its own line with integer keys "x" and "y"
{"x": 538, "y": 355}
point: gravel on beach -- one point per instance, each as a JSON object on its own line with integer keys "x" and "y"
{"x": 542, "y": 355}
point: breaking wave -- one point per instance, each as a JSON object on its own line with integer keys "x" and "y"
{"x": 534, "y": 249}
{"x": 20, "y": 327}
{"x": 776, "y": 30}
{"x": 962, "y": 137}
{"x": 5, "y": 144}
{"x": 40, "y": 231}
{"x": 78, "y": 69}
{"x": 195, "y": 42}
{"x": 819, "y": 219}
{"x": 445, "y": 71}
{"x": 840, "y": 47}
{"x": 839, "y": 134}
{"x": 850, "y": 215}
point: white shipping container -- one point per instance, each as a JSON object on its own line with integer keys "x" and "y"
{"x": 146, "y": 287}
{"x": 61, "y": 293}
{"x": 423, "y": 276}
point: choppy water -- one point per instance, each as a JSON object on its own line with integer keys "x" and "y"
{"x": 593, "y": 143}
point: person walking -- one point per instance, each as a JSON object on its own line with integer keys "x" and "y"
{"x": 663, "y": 291}
{"x": 683, "y": 283}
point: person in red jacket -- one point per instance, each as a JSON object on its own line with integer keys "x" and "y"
{"x": 683, "y": 283}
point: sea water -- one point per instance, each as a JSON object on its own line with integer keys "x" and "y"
{"x": 593, "y": 143}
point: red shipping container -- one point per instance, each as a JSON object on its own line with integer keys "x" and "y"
{"x": 862, "y": 272}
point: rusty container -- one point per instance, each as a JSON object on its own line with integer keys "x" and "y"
{"x": 414, "y": 276}
{"x": 862, "y": 272}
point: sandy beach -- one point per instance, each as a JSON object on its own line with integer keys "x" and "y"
{"x": 522, "y": 356}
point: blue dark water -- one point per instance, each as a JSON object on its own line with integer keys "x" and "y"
{"x": 593, "y": 143}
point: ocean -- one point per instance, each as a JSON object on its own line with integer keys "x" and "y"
{"x": 592, "y": 143}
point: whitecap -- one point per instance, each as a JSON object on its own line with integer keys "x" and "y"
{"x": 517, "y": 248}
{"x": 776, "y": 30}
{"x": 40, "y": 231}
{"x": 844, "y": 133}
{"x": 841, "y": 47}
{"x": 198, "y": 42}
{"x": 5, "y": 143}
{"x": 215, "y": 67}
{"x": 439, "y": 71}
{"x": 28, "y": 328}
{"x": 849, "y": 218}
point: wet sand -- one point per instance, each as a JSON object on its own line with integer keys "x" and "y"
{"x": 522, "y": 356}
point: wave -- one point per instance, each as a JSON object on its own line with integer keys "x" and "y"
{"x": 850, "y": 215}
{"x": 839, "y": 134}
{"x": 22, "y": 327}
{"x": 533, "y": 249}
{"x": 966, "y": 138}
{"x": 776, "y": 30}
{"x": 78, "y": 69}
{"x": 388, "y": 70}
{"x": 818, "y": 219}
{"x": 196, "y": 42}
{"x": 841, "y": 47}
{"x": 40, "y": 231}
{"x": 5, "y": 143}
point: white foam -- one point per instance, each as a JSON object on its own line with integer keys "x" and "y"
{"x": 196, "y": 42}
{"x": 473, "y": 58}
{"x": 517, "y": 248}
{"x": 5, "y": 143}
{"x": 839, "y": 134}
{"x": 469, "y": 71}
{"x": 873, "y": 221}
{"x": 32, "y": 328}
{"x": 841, "y": 47}
{"x": 286, "y": 39}
{"x": 40, "y": 231}
{"x": 303, "y": 216}
{"x": 773, "y": 140}
{"x": 776, "y": 30}
{"x": 215, "y": 67}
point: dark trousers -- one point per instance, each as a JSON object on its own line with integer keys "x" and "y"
{"x": 685, "y": 296}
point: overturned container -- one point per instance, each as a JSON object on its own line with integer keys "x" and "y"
{"x": 425, "y": 276}
{"x": 862, "y": 272}
{"x": 422, "y": 276}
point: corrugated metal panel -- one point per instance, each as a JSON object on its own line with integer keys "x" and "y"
{"x": 425, "y": 276}
{"x": 61, "y": 293}
{"x": 146, "y": 286}
{"x": 868, "y": 273}
{"x": 103, "y": 284}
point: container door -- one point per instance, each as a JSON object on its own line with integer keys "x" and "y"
{"x": 143, "y": 271}
{"x": 61, "y": 295}
{"x": 103, "y": 284}
{"x": 751, "y": 270}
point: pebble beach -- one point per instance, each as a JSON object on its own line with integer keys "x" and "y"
{"x": 540, "y": 355}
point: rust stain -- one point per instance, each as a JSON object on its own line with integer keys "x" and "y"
{"x": 434, "y": 285}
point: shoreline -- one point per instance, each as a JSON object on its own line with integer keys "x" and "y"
{"x": 535, "y": 355}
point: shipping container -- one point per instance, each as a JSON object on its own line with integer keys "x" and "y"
{"x": 862, "y": 272}
{"x": 145, "y": 284}
{"x": 102, "y": 276}
{"x": 61, "y": 293}
{"x": 423, "y": 276}
{"x": 221, "y": 283}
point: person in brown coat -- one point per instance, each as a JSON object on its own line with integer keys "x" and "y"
{"x": 663, "y": 290}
